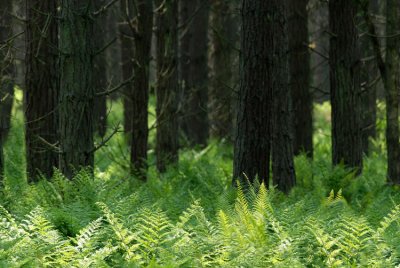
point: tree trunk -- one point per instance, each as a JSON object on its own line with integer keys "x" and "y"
{"x": 252, "y": 140}
{"x": 42, "y": 88}
{"x": 369, "y": 82}
{"x": 222, "y": 60}
{"x": 100, "y": 70}
{"x": 127, "y": 58}
{"x": 392, "y": 90}
{"x": 76, "y": 87}
{"x": 6, "y": 76}
{"x": 140, "y": 90}
{"x": 299, "y": 65}
{"x": 167, "y": 85}
{"x": 282, "y": 123}
{"x": 194, "y": 25}
{"x": 344, "y": 58}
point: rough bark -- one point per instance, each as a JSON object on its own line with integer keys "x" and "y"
{"x": 167, "y": 85}
{"x": 42, "y": 88}
{"x": 369, "y": 82}
{"x": 6, "y": 76}
{"x": 100, "y": 70}
{"x": 392, "y": 90}
{"x": 299, "y": 66}
{"x": 252, "y": 140}
{"x": 282, "y": 120}
{"x": 140, "y": 89}
{"x": 194, "y": 26}
{"x": 223, "y": 29}
{"x": 76, "y": 87}
{"x": 344, "y": 59}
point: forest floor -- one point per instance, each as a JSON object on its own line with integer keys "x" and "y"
{"x": 191, "y": 216}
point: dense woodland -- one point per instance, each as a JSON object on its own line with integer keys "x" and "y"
{"x": 201, "y": 133}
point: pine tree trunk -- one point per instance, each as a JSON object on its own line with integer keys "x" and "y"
{"x": 299, "y": 65}
{"x": 167, "y": 85}
{"x": 369, "y": 73}
{"x": 76, "y": 87}
{"x": 222, "y": 58}
{"x": 100, "y": 70}
{"x": 127, "y": 64}
{"x": 140, "y": 90}
{"x": 392, "y": 90}
{"x": 42, "y": 88}
{"x": 6, "y": 76}
{"x": 194, "y": 22}
{"x": 344, "y": 58}
{"x": 253, "y": 133}
{"x": 282, "y": 123}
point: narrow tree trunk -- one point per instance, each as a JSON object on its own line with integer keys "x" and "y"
{"x": 113, "y": 53}
{"x": 392, "y": 90}
{"x": 140, "y": 90}
{"x": 76, "y": 87}
{"x": 41, "y": 92}
{"x": 221, "y": 90}
{"x": 282, "y": 125}
{"x": 194, "y": 48}
{"x": 6, "y": 76}
{"x": 100, "y": 70}
{"x": 344, "y": 58}
{"x": 167, "y": 85}
{"x": 252, "y": 141}
{"x": 127, "y": 58}
{"x": 369, "y": 74}
{"x": 299, "y": 65}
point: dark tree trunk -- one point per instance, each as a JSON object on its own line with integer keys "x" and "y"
{"x": 252, "y": 141}
{"x": 167, "y": 85}
{"x": 344, "y": 58}
{"x": 299, "y": 65}
{"x": 41, "y": 92}
{"x": 113, "y": 53}
{"x": 76, "y": 87}
{"x": 6, "y": 76}
{"x": 194, "y": 25}
{"x": 100, "y": 70}
{"x": 264, "y": 110}
{"x": 282, "y": 120}
{"x": 222, "y": 69}
{"x": 127, "y": 62}
{"x": 369, "y": 82}
{"x": 392, "y": 90}
{"x": 140, "y": 90}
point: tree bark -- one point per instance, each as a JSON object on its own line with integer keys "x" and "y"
{"x": 282, "y": 125}
{"x": 6, "y": 76}
{"x": 167, "y": 85}
{"x": 140, "y": 89}
{"x": 369, "y": 73}
{"x": 222, "y": 69}
{"x": 194, "y": 45}
{"x": 299, "y": 65}
{"x": 344, "y": 59}
{"x": 76, "y": 87}
{"x": 42, "y": 88}
{"x": 253, "y": 133}
{"x": 392, "y": 90}
{"x": 100, "y": 70}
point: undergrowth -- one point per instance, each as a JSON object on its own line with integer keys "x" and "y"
{"x": 192, "y": 217}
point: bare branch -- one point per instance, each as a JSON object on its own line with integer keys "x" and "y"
{"x": 116, "y": 88}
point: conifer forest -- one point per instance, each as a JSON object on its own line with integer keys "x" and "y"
{"x": 199, "y": 133}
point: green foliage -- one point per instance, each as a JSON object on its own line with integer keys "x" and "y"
{"x": 191, "y": 216}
